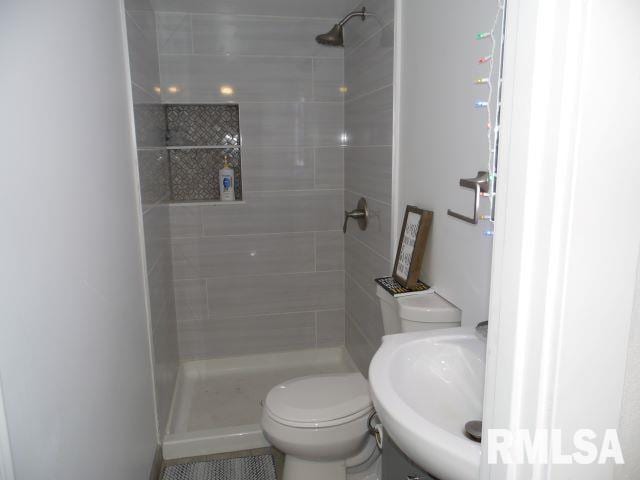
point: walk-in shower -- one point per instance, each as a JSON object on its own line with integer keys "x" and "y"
{"x": 334, "y": 37}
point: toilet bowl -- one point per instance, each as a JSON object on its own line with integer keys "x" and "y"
{"x": 320, "y": 422}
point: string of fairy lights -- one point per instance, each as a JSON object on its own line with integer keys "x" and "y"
{"x": 493, "y": 118}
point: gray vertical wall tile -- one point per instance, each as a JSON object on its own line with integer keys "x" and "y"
{"x": 368, "y": 164}
{"x": 359, "y": 348}
{"x": 277, "y": 168}
{"x": 364, "y": 265}
{"x": 223, "y": 337}
{"x": 153, "y": 170}
{"x": 211, "y": 257}
{"x": 138, "y": 6}
{"x": 369, "y": 118}
{"x": 270, "y": 294}
{"x": 330, "y": 328}
{"x": 191, "y": 300}
{"x": 174, "y": 32}
{"x": 275, "y": 212}
{"x": 291, "y": 124}
{"x": 198, "y": 78}
{"x": 149, "y": 120}
{"x": 370, "y": 66}
{"x": 329, "y": 167}
{"x": 327, "y": 9}
{"x": 328, "y": 79}
{"x": 368, "y": 172}
{"x": 143, "y": 59}
{"x": 324, "y": 124}
{"x": 186, "y": 220}
{"x": 157, "y": 234}
{"x": 329, "y": 251}
{"x": 357, "y": 32}
{"x": 365, "y": 311}
{"x": 260, "y": 35}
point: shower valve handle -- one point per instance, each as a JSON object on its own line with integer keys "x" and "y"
{"x": 361, "y": 213}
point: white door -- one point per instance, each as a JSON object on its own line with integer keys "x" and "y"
{"x": 568, "y": 228}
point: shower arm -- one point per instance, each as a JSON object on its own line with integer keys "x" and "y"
{"x": 356, "y": 13}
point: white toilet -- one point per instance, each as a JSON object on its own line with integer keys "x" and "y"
{"x": 320, "y": 421}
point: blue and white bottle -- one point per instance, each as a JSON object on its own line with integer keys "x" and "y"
{"x": 226, "y": 177}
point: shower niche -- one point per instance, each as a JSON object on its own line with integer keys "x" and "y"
{"x": 199, "y": 139}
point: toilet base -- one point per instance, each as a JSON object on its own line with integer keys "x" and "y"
{"x": 299, "y": 469}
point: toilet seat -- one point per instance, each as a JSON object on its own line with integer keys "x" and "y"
{"x": 319, "y": 401}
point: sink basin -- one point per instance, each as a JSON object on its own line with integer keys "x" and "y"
{"x": 426, "y": 386}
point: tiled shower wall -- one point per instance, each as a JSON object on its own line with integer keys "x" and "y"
{"x": 266, "y": 274}
{"x": 153, "y": 169}
{"x": 369, "y": 125}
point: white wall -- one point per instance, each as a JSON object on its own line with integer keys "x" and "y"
{"x": 442, "y": 138}
{"x": 74, "y": 348}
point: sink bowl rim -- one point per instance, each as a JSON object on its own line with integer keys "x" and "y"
{"x": 465, "y": 452}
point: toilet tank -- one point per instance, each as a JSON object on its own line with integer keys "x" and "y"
{"x": 423, "y": 311}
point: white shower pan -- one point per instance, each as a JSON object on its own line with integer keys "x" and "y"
{"x": 217, "y": 403}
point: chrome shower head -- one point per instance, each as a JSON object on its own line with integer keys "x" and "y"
{"x": 334, "y": 37}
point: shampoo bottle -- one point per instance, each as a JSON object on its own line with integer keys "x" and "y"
{"x": 227, "y": 192}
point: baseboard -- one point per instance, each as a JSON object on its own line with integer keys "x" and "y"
{"x": 156, "y": 467}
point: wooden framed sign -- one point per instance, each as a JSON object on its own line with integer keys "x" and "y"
{"x": 411, "y": 246}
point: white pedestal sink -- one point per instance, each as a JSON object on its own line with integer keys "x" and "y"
{"x": 426, "y": 386}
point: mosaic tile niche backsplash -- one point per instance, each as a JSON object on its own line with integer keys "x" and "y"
{"x": 199, "y": 137}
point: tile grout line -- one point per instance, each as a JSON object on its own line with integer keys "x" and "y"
{"x": 362, "y": 289}
{"x": 273, "y": 314}
{"x": 362, "y": 334}
{"x": 214, "y": 14}
{"x": 193, "y": 48}
{"x": 313, "y": 80}
{"x": 371, "y": 92}
{"x": 206, "y": 297}
{"x": 254, "y": 275}
{"x": 315, "y": 168}
{"x": 362, "y": 42}
{"x": 315, "y": 251}
{"x": 248, "y": 55}
{"x": 240, "y": 235}
{"x": 267, "y": 234}
{"x": 368, "y": 197}
{"x": 368, "y": 247}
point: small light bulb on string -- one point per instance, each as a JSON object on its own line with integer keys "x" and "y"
{"x": 483, "y": 35}
{"x": 485, "y": 59}
{"x": 488, "y": 233}
{"x": 481, "y": 81}
{"x": 481, "y": 104}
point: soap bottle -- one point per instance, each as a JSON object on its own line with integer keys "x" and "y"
{"x": 226, "y": 178}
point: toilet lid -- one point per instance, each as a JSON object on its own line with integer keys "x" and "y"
{"x": 317, "y": 399}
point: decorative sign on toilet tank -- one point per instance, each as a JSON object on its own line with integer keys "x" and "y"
{"x": 411, "y": 246}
